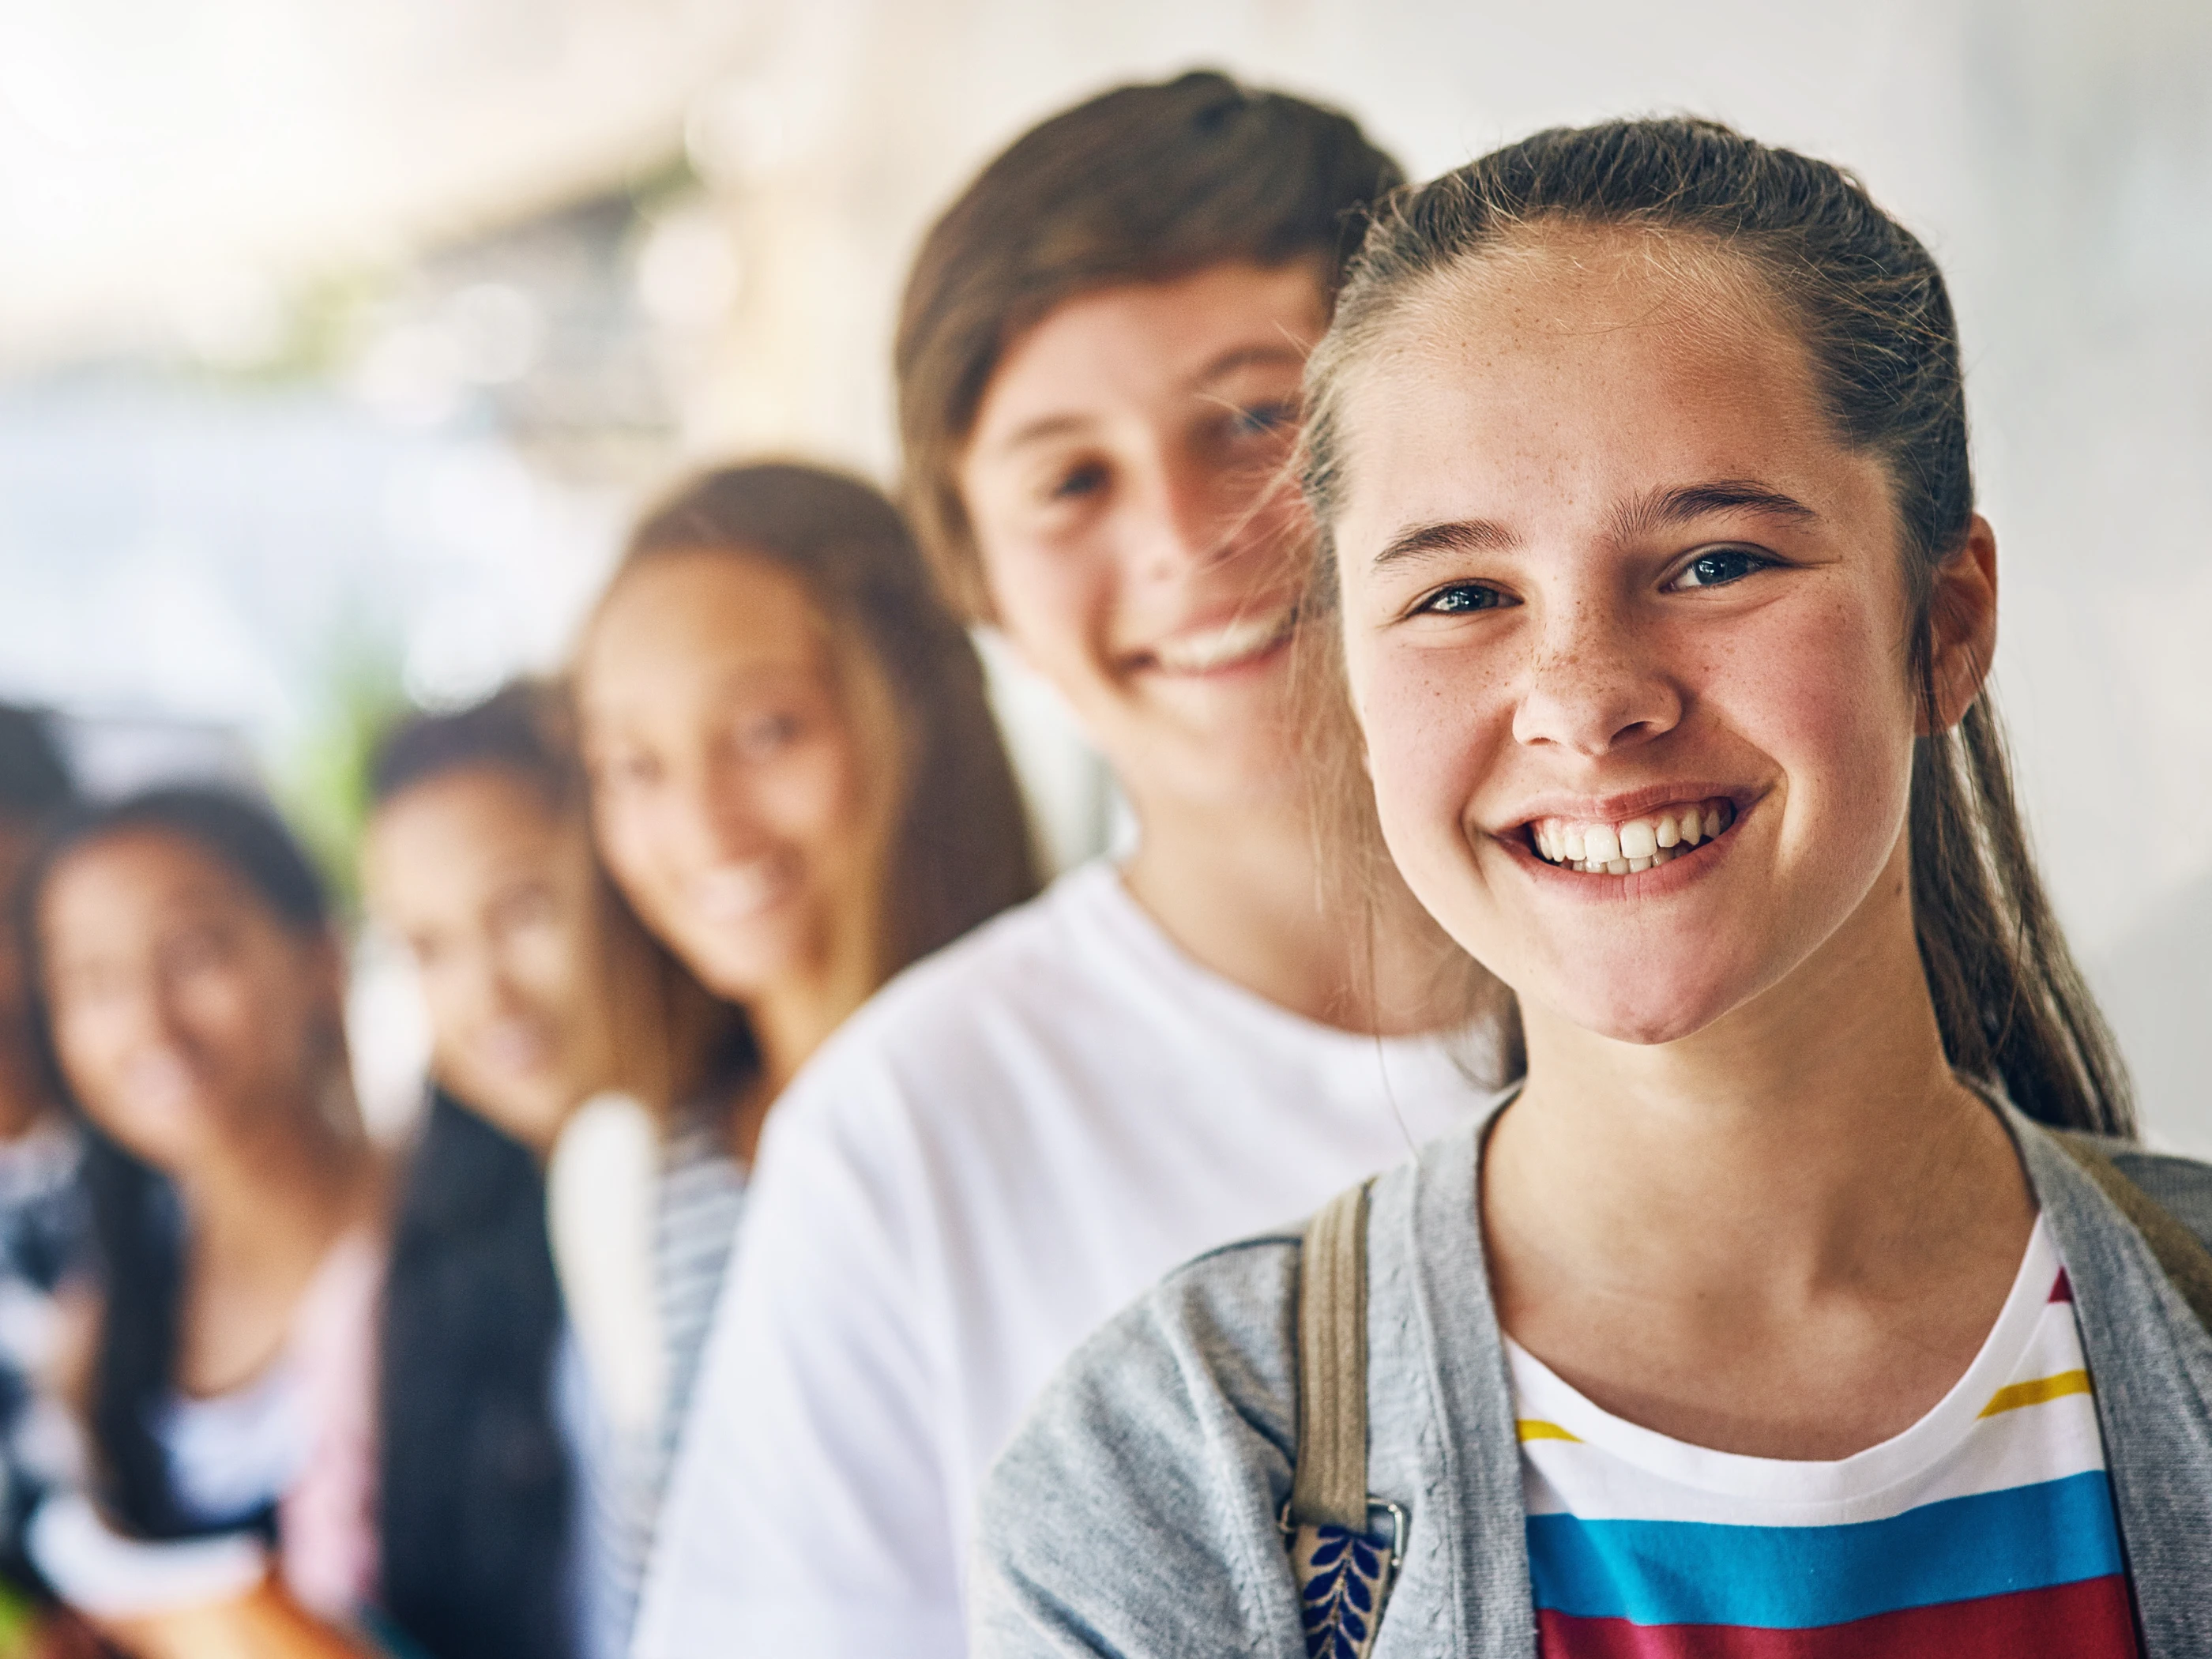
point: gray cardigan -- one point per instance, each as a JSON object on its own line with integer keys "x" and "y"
{"x": 1135, "y": 1512}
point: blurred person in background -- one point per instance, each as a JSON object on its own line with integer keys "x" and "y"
{"x": 1099, "y": 356}
{"x": 510, "y": 1525}
{"x": 189, "y": 989}
{"x": 797, "y": 782}
{"x": 41, "y": 1210}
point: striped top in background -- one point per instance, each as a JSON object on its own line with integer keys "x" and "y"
{"x": 700, "y": 1197}
{"x": 1985, "y": 1529}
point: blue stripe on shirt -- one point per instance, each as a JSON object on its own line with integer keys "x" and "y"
{"x": 1693, "y": 1572}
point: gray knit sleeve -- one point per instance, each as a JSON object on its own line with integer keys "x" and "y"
{"x": 1134, "y": 1513}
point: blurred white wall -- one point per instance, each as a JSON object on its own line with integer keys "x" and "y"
{"x": 2057, "y": 156}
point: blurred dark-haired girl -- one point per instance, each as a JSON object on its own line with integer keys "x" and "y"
{"x": 41, "y": 1209}
{"x": 797, "y": 783}
{"x": 511, "y": 1518}
{"x": 189, "y": 989}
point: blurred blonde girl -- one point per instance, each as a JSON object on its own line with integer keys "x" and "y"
{"x": 797, "y": 784}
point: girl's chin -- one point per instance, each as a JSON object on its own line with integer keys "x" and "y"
{"x": 741, "y": 974}
{"x": 1663, "y": 1015}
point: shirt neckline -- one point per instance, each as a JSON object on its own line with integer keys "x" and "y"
{"x": 1099, "y": 888}
{"x": 1541, "y": 1393}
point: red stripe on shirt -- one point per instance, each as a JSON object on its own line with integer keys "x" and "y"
{"x": 2088, "y": 1620}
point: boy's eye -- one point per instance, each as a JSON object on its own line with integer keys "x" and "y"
{"x": 1260, "y": 419}
{"x": 1460, "y": 598}
{"x": 1718, "y": 568}
{"x": 1080, "y": 480}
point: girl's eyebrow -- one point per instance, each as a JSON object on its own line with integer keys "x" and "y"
{"x": 1662, "y": 510}
{"x": 1668, "y": 509}
{"x": 1453, "y": 535}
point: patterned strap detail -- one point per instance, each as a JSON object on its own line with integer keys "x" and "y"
{"x": 2180, "y": 1255}
{"x": 1343, "y": 1580}
{"x": 1343, "y": 1574}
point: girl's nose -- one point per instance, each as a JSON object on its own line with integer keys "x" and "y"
{"x": 724, "y": 815}
{"x": 1592, "y": 688}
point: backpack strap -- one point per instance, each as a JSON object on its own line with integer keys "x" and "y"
{"x": 1343, "y": 1574}
{"x": 2180, "y": 1255}
{"x": 1329, "y": 1487}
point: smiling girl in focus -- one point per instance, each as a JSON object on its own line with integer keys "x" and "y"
{"x": 1767, "y": 1314}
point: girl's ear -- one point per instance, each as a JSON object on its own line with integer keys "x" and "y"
{"x": 1963, "y": 614}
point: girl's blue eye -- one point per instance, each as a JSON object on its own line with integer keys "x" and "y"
{"x": 1462, "y": 597}
{"x": 1718, "y": 568}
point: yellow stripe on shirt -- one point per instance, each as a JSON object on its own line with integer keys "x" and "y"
{"x": 2035, "y": 1392}
{"x": 1535, "y": 1429}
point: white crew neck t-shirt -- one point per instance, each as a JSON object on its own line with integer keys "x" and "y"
{"x": 1014, "y": 1140}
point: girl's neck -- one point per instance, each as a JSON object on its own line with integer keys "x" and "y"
{"x": 275, "y": 1197}
{"x": 1252, "y": 903}
{"x": 1813, "y": 1117}
{"x": 790, "y": 1020}
{"x": 1786, "y": 1235}
{"x": 264, "y": 1212}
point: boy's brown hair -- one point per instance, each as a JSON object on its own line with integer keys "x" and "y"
{"x": 1143, "y": 183}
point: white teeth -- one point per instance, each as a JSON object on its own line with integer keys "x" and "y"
{"x": 1631, "y": 847}
{"x": 737, "y": 892}
{"x": 1203, "y": 651}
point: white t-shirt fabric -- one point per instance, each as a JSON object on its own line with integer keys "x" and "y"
{"x": 1014, "y": 1140}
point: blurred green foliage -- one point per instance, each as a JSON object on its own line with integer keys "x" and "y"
{"x": 321, "y": 781}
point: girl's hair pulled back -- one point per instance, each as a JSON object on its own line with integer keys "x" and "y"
{"x": 1874, "y": 313}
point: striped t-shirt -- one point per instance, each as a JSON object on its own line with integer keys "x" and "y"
{"x": 1987, "y": 1527}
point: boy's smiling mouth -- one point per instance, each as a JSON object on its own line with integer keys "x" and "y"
{"x": 1233, "y": 644}
{"x": 1630, "y": 846}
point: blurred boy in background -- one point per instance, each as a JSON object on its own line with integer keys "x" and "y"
{"x": 1099, "y": 361}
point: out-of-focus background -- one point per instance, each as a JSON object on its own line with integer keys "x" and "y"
{"x": 337, "y": 343}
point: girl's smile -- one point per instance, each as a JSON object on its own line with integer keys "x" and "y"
{"x": 1636, "y": 831}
